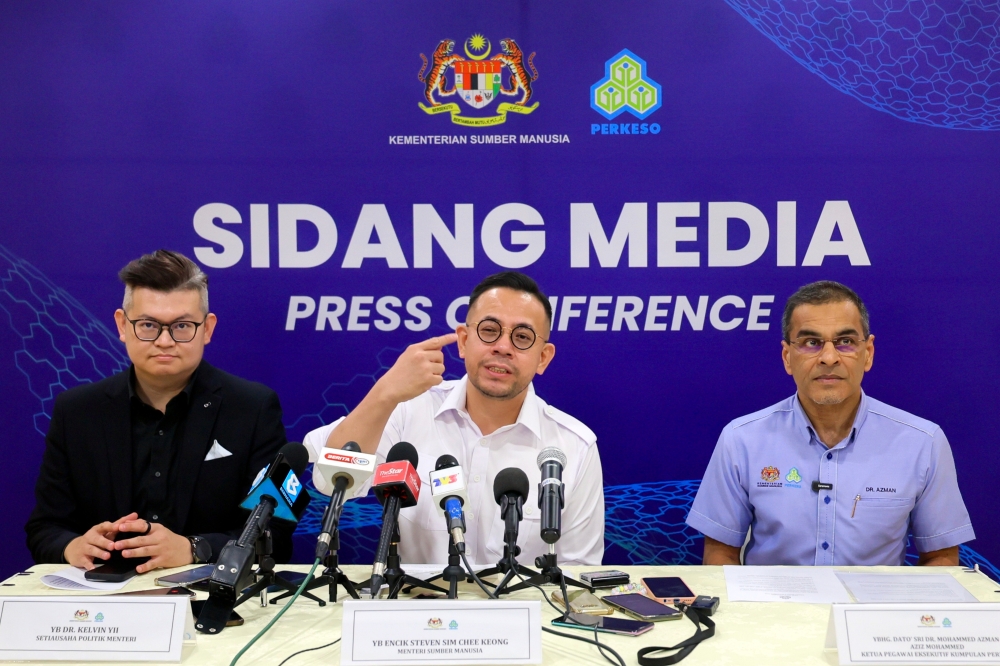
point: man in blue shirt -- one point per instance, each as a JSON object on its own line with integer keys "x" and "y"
{"x": 830, "y": 476}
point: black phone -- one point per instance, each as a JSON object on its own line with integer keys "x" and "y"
{"x": 112, "y": 572}
{"x": 608, "y": 625}
{"x": 642, "y": 607}
{"x": 235, "y": 619}
{"x": 116, "y": 568}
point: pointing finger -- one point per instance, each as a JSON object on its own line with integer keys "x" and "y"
{"x": 439, "y": 341}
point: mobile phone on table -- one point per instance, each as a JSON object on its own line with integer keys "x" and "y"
{"x": 112, "y": 572}
{"x": 186, "y": 577}
{"x": 642, "y": 607}
{"x": 117, "y": 568}
{"x": 607, "y": 625}
{"x": 234, "y": 620}
{"x": 669, "y": 590}
{"x": 582, "y": 601}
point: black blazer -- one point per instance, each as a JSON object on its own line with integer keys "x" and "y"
{"x": 86, "y": 473}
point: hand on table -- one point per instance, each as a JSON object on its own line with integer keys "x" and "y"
{"x": 95, "y": 544}
{"x": 164, "y": 548}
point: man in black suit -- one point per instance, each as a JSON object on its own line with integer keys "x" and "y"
{"x": 167, "y": 448}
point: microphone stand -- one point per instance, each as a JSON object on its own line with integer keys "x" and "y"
{"x": 453, "y": 573}
{"x": 510, "y": 511}
{"x": 332, "y": 576}
{"x": 395, "y": 577}
{"x": 266, "y": 577}
{"x": 550, "y": 574}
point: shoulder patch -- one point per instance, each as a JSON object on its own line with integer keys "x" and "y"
{"x": 570, "y": 423}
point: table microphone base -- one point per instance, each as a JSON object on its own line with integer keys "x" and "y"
{"x": 550, "y": 574}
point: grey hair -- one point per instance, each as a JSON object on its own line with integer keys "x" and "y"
{"x": 166, "y": 272}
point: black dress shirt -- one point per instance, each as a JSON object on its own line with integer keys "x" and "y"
{"x": 154, "y": 468}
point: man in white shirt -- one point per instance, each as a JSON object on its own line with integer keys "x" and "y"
{"x": 489, "y": 420}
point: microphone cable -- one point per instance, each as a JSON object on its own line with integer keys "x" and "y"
{"x": 472, "y": 574}
{"x": 617, "y": 661}
{"x": 302, "y": 587}
{"x": 295, "y": 654}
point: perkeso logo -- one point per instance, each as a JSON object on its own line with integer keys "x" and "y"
{"x": 626, "y": 87}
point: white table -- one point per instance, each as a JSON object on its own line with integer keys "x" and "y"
{"x": 747, "y": 633}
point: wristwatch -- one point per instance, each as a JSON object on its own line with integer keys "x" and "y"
{"x": 201, "y": 550}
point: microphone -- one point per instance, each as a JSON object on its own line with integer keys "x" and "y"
{"x": 276, "y": 493}
{"x": 448, "y": 489}
{"x": 397, "y": 486}
{"x": 510, "y": 487}
{"x": 345, "y": 472}
{"x": 280, "y": 481}
{"x": 551, "y": 493}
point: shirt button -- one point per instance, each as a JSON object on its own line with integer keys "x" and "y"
{"x": 470, "y": 516}
{"x": 160, "y": 432}
{"x": 155, "y": 517}
{"x": 827, "y": 499}
{"x": 527, "y": 510}
{"x": 157, "y": 475}
{"x": 476, "y": 478}
{"x": 484, "y": 442}
{"x": 825, "y": 545}
{"x": 829, "y": 456}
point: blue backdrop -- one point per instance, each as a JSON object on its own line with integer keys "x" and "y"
{"x": 668, "y": 171}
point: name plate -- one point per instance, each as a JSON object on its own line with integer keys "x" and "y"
{"x": 441, "y": 631}
{"x": 915, "y": 633}
{"x": 91, "y": 628}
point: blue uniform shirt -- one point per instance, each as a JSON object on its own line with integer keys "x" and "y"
{"x": 892, "y": 475}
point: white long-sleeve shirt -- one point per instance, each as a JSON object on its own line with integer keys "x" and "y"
{"x": 437, "y": 423}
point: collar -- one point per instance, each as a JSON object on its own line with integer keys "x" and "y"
{"x": 803, "y": 424}
{"x": 528, "y": 417}
{"x": 186, "y": 392}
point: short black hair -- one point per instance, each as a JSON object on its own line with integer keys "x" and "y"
{"x": 516, "y": 281}
{"x": 164, "y": 271}
{"x": 820, "y": 293}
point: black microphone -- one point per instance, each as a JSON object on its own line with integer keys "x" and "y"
{"x": 510, "y": 487}
{"x": 347, "y": 472}
{"x": 551, "y": 494}
{"x": 278, "y": 493}
{"x": 397, "y": 486}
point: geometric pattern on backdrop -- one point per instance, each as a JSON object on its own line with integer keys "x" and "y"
{"x": 924, "y": 61}
{"x": 63, "y": 345}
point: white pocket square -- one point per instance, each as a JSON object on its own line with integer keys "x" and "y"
{"x": 217, "y": 451}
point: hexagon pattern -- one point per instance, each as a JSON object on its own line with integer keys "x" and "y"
{"x": 932, "y": 62}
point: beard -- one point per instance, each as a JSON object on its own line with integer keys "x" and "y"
{"x": 498, "y": 393}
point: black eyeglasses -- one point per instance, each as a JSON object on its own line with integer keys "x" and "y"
{"x": 149, "y": 330}
{"x": 810, "y": 345}
{"x": 521, "y": 336}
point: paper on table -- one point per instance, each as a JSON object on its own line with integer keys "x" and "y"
{"x": 807, "y": 585}
{"x": 871, "y": 588}
{"x": 71, "y": 578}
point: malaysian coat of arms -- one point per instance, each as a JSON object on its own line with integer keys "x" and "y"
{"x": 478, "y": 81}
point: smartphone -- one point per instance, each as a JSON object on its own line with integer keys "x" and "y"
{"x": 609, "y": 625}
{"x": 234, "y": 620}
{"x": 186, "y": 577}
{"x": 642, "y": 607}
{"x": 582, "y": 601}
{"x": 117, "y": 568}
{"x": 112, "y": 572}
{"x": 669, "y": 590}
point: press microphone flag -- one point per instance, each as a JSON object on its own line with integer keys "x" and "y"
{"x": 281, "y": 480}
{"x": 277, "y": 488}
{"x": 551, "y": 494}
{"x": 347, "y": 463}
{"x": 397, "y": 486}
{"x": 448, "y": 488}
{"x": 344, "y": 470}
